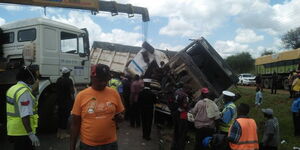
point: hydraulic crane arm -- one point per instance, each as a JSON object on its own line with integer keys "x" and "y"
{"x": 92, "y": 5}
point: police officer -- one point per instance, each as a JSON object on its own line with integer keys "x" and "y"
{"x": 21, "y": 108}
{"x": 146, "y": 105}
{"x": 229, "y": 112}
{"x": 116, "y": 82}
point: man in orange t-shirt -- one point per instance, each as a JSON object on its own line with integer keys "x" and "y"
{"x": 94, "y": 113}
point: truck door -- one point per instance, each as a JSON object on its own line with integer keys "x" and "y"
{"x": 73, "y": 56}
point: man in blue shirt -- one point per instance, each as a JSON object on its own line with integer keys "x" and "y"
{"x": 296, "y": 114}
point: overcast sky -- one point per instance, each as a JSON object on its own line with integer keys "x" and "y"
{"x": 231, "y": 26}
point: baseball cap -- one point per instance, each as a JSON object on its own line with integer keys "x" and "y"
{"x": 100, "y": 71}
{"x": 267, "y": 111}
{"x": 65, "y": 70}
{"x": 204, "y": 90}
{"x": 228, "y": 93}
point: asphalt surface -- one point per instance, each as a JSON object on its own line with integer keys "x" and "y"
{"x": 128, "y": 139}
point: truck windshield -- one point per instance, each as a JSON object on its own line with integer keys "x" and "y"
{"x": 8, "y": 37}
{"x": 26, "y": 35}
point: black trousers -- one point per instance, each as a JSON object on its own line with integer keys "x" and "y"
{"x": 22, "y": 143}
{"x": 268, "y": 148}
{"x": 200, "y": 135}
{"x": 64, "y": 111}
{"x": 179, "y": 137}
{"x": 292, "y": 93}
{"x": 147, "y": 117}
{"x": 126, "y": 104}
{"x": 296, "y": 120}
{"x": 135, "y": 120}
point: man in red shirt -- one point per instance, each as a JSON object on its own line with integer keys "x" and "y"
{"x": 94, "y": 113}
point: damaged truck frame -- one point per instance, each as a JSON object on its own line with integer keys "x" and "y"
{"x": 196, "y": 66}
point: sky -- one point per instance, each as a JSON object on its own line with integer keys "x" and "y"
{"x": 230, "y": 26}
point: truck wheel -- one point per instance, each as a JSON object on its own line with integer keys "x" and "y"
{"x": 266, "y": 83}
{"x": 48, "y": 117}
{"x": 285, "y": 84}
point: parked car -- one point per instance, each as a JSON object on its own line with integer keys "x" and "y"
{"x": 246, "y": 79}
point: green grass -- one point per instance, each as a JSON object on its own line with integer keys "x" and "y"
{"x": 280, "y": 103}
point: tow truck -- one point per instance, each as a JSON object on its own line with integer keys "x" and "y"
{"x": 47, "y": 45}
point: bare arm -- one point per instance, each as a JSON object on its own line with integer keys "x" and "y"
{"x": 26, "y": 123}
{"x": 75, "y": 128}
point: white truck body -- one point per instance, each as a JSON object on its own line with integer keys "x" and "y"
{"x": 117, "y": 61}
{"x": 119, "y": 57}
{"x": 47, "y": 46}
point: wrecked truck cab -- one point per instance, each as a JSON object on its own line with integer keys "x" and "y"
{"x": 205, "y": 67}
{"x": 197, "y": 66}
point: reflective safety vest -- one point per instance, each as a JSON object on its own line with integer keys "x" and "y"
{"x": 223, "y": 126}
{"x": 296, "y": 85}
{"x": 248, "y": 139}
{"x": 114, "y": 83}
{"x": 15, "y": 125}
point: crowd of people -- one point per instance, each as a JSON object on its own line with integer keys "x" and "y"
{"x": 111, "y": 97}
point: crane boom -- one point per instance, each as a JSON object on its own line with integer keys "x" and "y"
{"x": 92, "y": 5}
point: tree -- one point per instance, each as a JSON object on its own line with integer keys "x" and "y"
{"x": 267, "y": 52}
{"x": 241, "y": 63}
{"x": 291, "y": 39}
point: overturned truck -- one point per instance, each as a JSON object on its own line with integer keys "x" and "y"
{"x": 196, "y": 66}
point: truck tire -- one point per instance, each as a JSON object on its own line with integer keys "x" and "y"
{"x": 48, "y": 117}
{"x": 285, "y": 84}
{"x": 266, "y": 83}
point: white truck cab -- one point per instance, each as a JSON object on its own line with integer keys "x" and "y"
{"x": 48, "y": 46}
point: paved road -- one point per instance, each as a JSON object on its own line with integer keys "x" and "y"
{"x": 128, "y": 139}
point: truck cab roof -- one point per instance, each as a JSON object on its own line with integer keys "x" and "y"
{"x": 38, "y": 21}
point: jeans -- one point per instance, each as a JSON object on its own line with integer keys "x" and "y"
{"x": 110, "y": 146}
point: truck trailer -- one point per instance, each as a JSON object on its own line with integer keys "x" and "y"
{"x": 281, "y": 63}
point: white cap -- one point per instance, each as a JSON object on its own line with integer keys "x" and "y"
{"x": 267, "y": 111}
{"x": 228, "y": 93}
{"x": 147, "y": 80}
{"x": 65, "y": 70}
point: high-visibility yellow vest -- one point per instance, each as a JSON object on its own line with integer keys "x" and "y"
{"x": 15, "y": 125}
{"x": 114, "y": 83}
{"x": 223, "y": 126}
{"x": 248, "y": 139}
{"x": 296, "y": 85}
